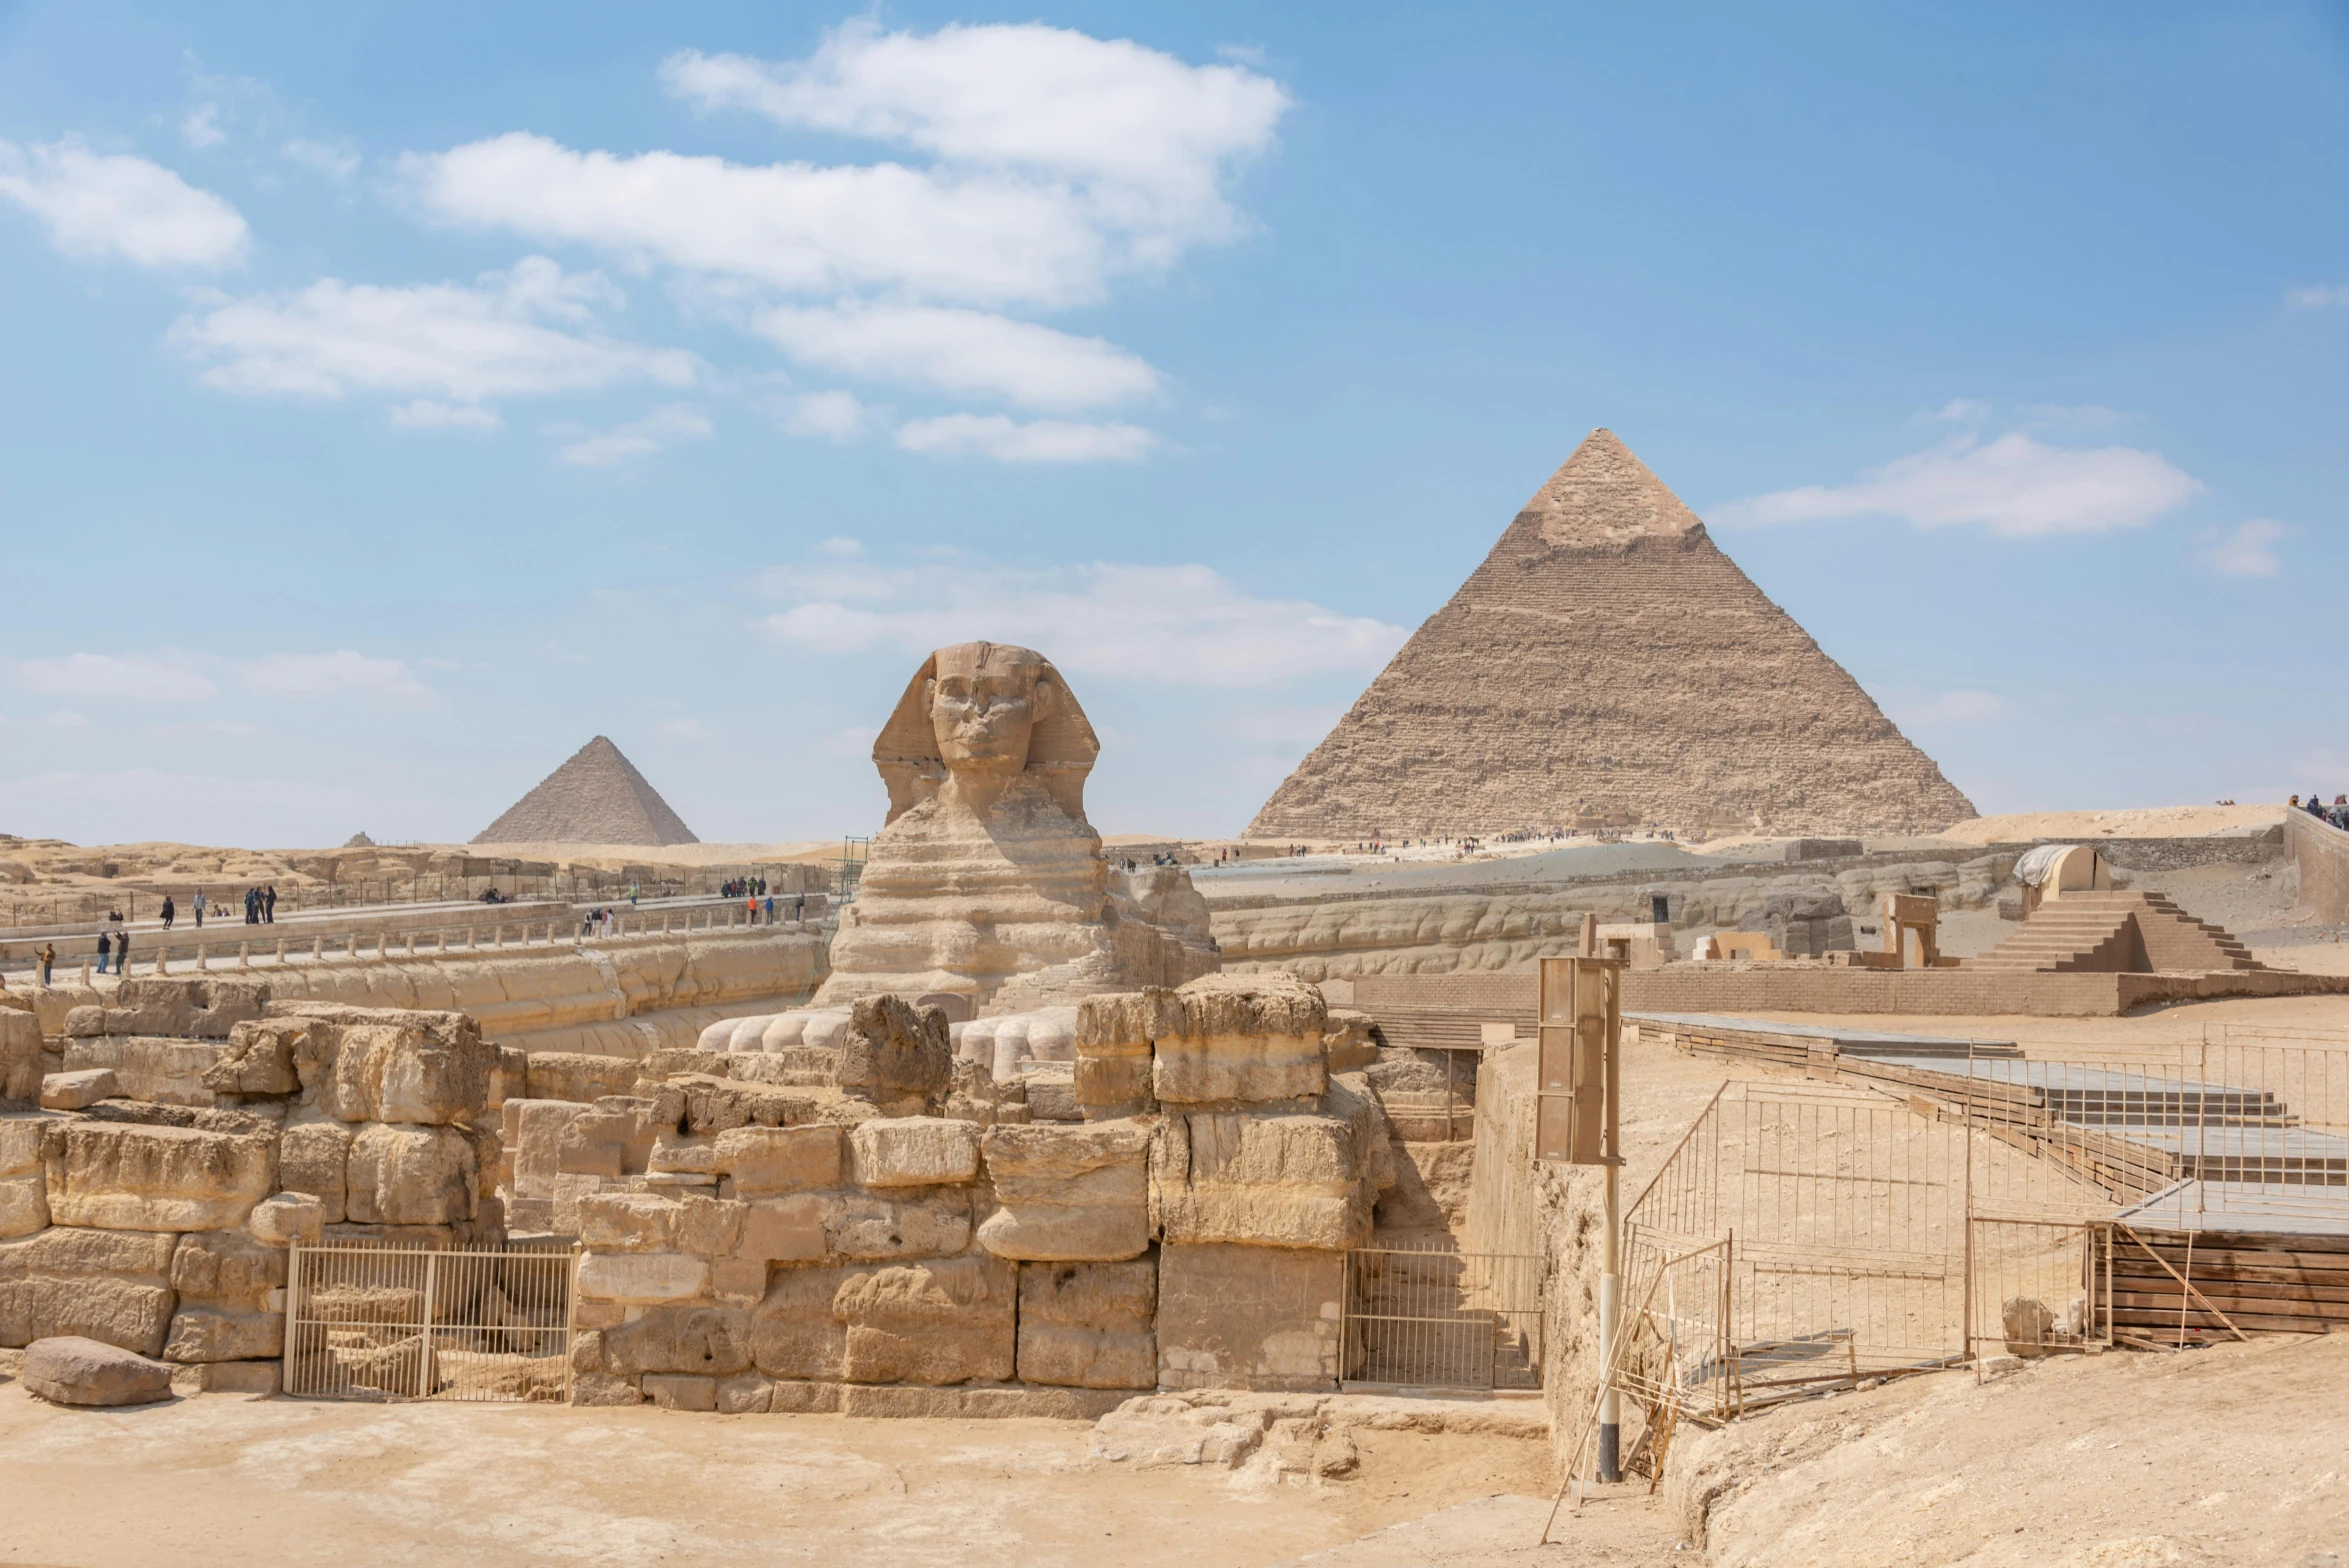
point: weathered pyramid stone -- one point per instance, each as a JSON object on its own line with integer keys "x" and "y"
{"x": 1608, "y": 665}
{"x": 597, "y": 797}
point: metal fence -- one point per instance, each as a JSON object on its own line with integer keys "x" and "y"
{"x": 399, "y": 1323}
{"x": 1437, "y": 1319}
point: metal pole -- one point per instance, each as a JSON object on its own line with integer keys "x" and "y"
{"x": 293, "y": 1316}
{"x": 1610, "y": 1280}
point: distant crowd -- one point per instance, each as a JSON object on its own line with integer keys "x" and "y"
{"x": 2337, "y": 813}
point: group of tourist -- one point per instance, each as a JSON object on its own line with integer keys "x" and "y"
{"x": 260, "y": 907}
{"x": 2336, "y": 814}
{"x": 744, "y": 887}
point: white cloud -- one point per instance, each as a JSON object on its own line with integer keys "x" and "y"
{"x": 686, "y": 729}
{"x": 1963, "y": 411}
{"x": 1949, "y": 707}
{"x": 982, "y": 238}
{"x": 336, "y": 163}
{"x": 1032, "y": 441}
{"x": 426, "y": 414}
{"x": 663, "y": 427}
{"x": 445, "y": 343}
{"x": 2247, "y": 549}
{"x": 1182, "y": 625}
{"x": 1142, "y": 139}
{"x": 2014, "y": 486}
{"x": 116, "y": 675}
{"x": 2319, "y": 297}
{"x": 840, "y": 545}
{"x": 111, "y": 204}
{"x": 201, "y": 128}
{"x": 66, "y": 721}
{"x": 961, "y": 351}
{"x": 337, "y": 674}
{"x": 832, "y": 416}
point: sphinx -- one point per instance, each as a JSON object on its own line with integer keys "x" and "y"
{"x": 986, "y": 892}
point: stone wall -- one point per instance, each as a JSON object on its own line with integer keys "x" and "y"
{"x": 872, "y": 1226}
{"x": 160, "y": 1225}
{"x": 2321, "y": 852}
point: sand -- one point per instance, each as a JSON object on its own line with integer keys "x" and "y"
{"x": 227, "y": 1480}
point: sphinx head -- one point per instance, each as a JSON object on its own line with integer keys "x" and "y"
{"x": 986, "y": 700}
{"x": 984, "y": 712}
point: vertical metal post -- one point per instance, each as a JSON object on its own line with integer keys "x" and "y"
{"x": 424, "y": 1349}
{"x": 293, "y": 1316}
{"x": 570, "y": 1319}
{"x": 1610, "y": 1260}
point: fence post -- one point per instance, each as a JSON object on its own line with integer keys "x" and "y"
{"x": 570, "y": 1321}
{"x": 293, "y": 1303}
{"x": 424, "y": 1349}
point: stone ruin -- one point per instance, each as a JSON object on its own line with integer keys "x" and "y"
{"x": 881, "y": 1227}
{"x": 149, "y": 1203}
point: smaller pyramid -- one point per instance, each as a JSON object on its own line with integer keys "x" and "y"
{"x": 597, "y": 797}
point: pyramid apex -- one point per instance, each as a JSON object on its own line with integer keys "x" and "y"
{"x": 1604, "y": 495}
{"x": 597, "y": 797}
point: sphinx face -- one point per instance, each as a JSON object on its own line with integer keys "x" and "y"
{"x": 984, "y": 713}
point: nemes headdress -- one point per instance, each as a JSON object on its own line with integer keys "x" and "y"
{"x": 1060, "y": 751}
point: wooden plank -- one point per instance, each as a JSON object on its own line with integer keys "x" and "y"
{"x": 2233, "y": 1306}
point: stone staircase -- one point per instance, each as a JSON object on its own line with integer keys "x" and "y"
{"x": 2115, "y": 932}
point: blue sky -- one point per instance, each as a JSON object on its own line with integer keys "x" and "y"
{"x": 392, "y": 397}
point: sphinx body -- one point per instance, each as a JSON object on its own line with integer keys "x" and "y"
{"x": 987, "y": 885}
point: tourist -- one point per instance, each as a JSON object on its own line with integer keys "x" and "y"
{"x": 269, "y": 905}
{"x": 105, "y": 950}
{"x": 770, "y": 909}
{"x": 48, "y": 962}
{"x": 170, "y": 911}
{"x": 799, "y": 909}
{"x": 122, "y": 953}
{"x": 198, "y": 904}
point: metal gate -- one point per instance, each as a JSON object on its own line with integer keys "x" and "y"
{"x": 392, "y": 1323}
{"x": 1432, "y": 1319}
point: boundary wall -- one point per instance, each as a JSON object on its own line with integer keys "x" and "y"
{"x": 2321, "y": 851}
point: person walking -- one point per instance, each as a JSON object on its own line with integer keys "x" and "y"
{"x": 269, "y": 905}
{"x": 170, "y": 910}
{"x": 198, "y": 904}
{"x": 799, "y": 910}
{"x": 105, "y": 950}
{"x": 122, "y": 954}
{"x": 48, "y": 962}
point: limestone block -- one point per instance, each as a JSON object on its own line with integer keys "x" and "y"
{"x": 24, "y": 1204}
{"x": 794, "y": 1334}
{"x": 533, "y": 1135}
{"x": 75, "y": 1091}
{"x": 614, "y": 1138}
{"x": 703, "y": 1105}
{"x": 1249, "y": 1317}
{"x": 108, "y": 1285}
{"x": 1089, "y": 1325}
{"x": 429, "y": 1069}
{"x": 1243, "y": 1038}
{"x": 788, "y": 1229}
{"x": 673, "y": 1154}
{"x": 744, "y": 1394}
{"x": 1068, "y": 1192}
{"x": 569, "y": 1076}
{"x": 793, "y": 1397}
{"x": 598, "y": 1388}
{"x": 894, "y": 1056}
{"x": 411, "y": 1175}
{"x": 191, "y": 1006}
{"x": 259, "y": 1059}
{"x": 123, "y": 1176}
{"x": 978, "y": 1402}
{"x": 869, "y": 1227}
{"x": 203, "y": 1334}
{"x": 1124, "y": 1023}
{"x": 226, "y": 1269}
{"x": 257, "y": 1378}
{"x": 70, "y": 1370}
{"x": 738, "y": 1281}
{"x": 673, "y": 1391}
{"x": 313, "y": 1158}
{"x": 83, "y": 1022}
{"x": 643, "y": 1277}
{"x": 765, "y": 1161}
{"x": 1111, "y": 1086}
{"x": 1270, "y": 1180}
{"x": 20, "y": 1058}
{"x": 707, "y": 1341}
{"x": 288, "y": 1218}
{"x": 937, "y": 1321}
{"x": 20, "y": 1143}
{"x": 915, "y": 1151}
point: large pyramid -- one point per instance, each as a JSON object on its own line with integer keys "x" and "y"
{"x": 597, "y": 797}
{"x": 1607, "y": 664}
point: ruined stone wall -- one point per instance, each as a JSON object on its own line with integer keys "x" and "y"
{"x": 2321, "y": 852}
{"x": 874, "y": 1227}
{"x": 161, "y": 1227}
